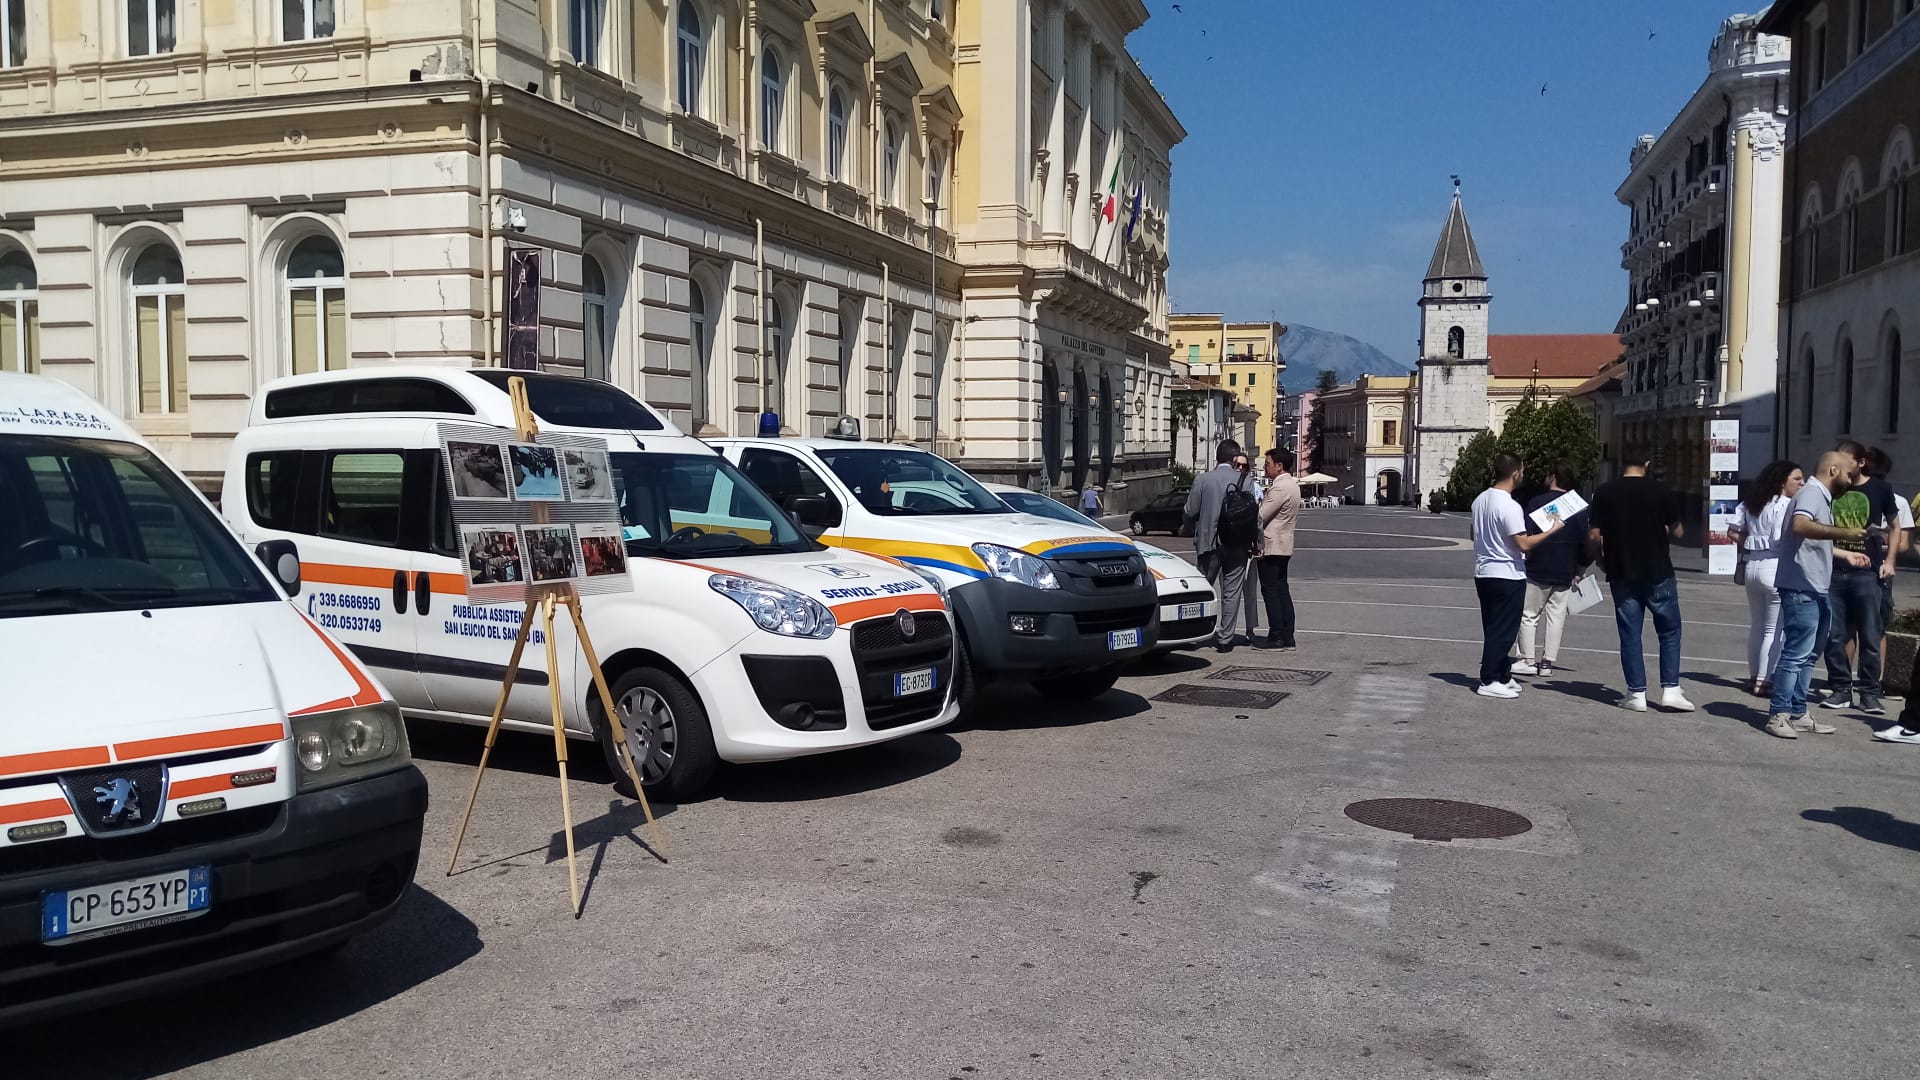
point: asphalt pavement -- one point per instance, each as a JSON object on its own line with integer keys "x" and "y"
{"x": 1138, "y": 888}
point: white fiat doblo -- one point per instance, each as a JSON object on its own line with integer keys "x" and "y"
{"x": 743, "y": 640}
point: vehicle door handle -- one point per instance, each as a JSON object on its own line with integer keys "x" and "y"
{"x": 400, "y": 592}
{"x": 422, "y": 591}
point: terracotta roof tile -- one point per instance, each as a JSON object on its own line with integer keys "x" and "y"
{"x": 1560, "y": 356}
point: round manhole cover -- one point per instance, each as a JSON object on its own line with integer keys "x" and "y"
{"x": 1438, "y": 819}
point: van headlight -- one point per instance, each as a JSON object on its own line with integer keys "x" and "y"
{"x": 1010, "y": 564}
{"x": 932, "y": 579}
{"x": 776, "y": 610}
{"x": 348, "y": 744}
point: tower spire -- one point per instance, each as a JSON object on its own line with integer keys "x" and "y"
{"x": 1455, "y": 256}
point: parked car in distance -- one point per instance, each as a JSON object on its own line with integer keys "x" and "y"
{"x": 1188, "y": 605}
{"x": 1167, "y": 514}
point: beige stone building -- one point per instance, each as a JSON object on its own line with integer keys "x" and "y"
{"x": 1245, "y": 360}
{"x": 895, "y": 209}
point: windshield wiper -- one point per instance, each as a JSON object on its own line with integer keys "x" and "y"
{"x": 95, "y": 597}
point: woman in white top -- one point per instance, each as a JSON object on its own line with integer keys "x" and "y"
{"x": 1758, "y": 525}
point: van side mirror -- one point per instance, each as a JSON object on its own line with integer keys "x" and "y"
{"x": 282, "y": 560}
{"x": 816, "y": 511}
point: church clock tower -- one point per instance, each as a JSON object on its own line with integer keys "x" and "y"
{"x": 1452, "y": 400}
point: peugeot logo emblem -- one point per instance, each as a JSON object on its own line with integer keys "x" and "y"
{"x": 904, "y": 620}
{"x": 121, "y": 797}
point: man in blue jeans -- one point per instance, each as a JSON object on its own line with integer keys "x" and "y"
{"x": 1856, "y": 597}
{"x": 1807, "y": 557}
{"x": 1633, "y": 521}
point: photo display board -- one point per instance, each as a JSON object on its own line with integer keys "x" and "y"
{"x": 1723, "y": 494}
{"x": 533, "y": 515}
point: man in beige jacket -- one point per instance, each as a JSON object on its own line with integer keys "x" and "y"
{"x": 1279, "y": 511}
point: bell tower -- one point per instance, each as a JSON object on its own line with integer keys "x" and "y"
{"x": 1452, "y": 400}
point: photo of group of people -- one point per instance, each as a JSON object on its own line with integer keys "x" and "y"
{"x": 528, "y": 472}
{"x": 504, "y": 554}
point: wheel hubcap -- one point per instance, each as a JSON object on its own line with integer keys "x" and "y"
{"x": 652, "y": 733}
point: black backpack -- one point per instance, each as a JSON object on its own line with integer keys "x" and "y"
{"x": 1239, "y": 517}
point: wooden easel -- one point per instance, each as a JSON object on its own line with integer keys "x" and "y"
{"x": 548, "y": 598}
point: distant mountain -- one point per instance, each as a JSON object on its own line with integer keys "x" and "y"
{"x": 1307, "y": 350}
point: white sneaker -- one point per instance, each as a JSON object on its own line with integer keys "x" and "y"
{"x": 1896, "y": 733}
{"x": 1497, "y": 690}
{"x": 1672, "y": 700}
{"x": 1780, "y": 725}
{"x": 1513, "y": 686}
{"x": 1525, "y": 667}
{"x": 1807, "y": 725}
{"x": 1635, "y": 702}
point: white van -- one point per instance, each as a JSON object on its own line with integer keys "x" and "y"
{"x": 194, "y": 778}
{"x": 1189, "y": 607}
{"x": 1037, "y": 600}
{"x": 742, "y": 640}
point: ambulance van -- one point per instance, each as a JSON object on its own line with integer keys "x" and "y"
{"x": 194, "y": 778}
{"x": 742, "y": 640}
{"x": 1037, "y": 600}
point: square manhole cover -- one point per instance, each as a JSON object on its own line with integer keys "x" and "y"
{"x": 1220, "y": 697}
{"x": 1282, "y": 676}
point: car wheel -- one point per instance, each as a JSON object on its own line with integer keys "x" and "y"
{"x": 1139, "y": 527}
{"x": 1079, "y": 686}
{"x": 668, "y": 734}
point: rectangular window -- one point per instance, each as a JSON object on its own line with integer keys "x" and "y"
{"x": 160, "y": 346}
{"x": 19, "y": 334}
{"x": 360, "y": 497}
{"x": 151, "y": 27}
{"x": 1251, "y": 376}
{"x": 1233, "y": 378}
{"x": 1817, "y": 66}
{"x": 13, "y": 33}
{"x": 305, "y": 20}
{"x": 1390, "y": 432}
{"x": 272, "y": 480}
{"x": 586, "y": 20}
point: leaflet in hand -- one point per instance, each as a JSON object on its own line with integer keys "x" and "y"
{"x": 1586, "y": 593}
{"x": 1564, "y": 507}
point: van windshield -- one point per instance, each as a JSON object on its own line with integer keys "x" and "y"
{"x": 97, "y": 525}
{"x": 688, "y": 506}
{"x": 892, "y": 483}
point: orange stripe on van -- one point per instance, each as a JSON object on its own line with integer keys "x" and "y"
{"x": 364, "y": 692}
{"x": 371, "y": 577}
{"x": 224, "y": 739}
{"x": 846, "y": 614}
{"x": 53, "y": 760}
{"x": 205, "y": 785}
{"x": 451, "y": 584}
{"x": 34, "y": 811}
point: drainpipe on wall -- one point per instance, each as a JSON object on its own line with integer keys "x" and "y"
{"x": 886, "y": 315}
{"x": 760, "y": 293}
{"x": 959, "y": 361}
{"x": 486, "y": 196}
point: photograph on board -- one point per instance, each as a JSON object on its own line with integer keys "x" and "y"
{"x": 588, "y": 477}
{"x": 536, "y": 473}
{"x": 603, "y": 551}
{"x": 492, "y": 554}
{"x": 478, "y": 472}
{"x": 550, "y": 552}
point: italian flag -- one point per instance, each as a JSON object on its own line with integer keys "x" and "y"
{"x": 1112, "y": 208}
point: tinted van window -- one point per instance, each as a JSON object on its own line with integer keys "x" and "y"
{"x": 361, "y": 493}
{"x": 366, "y": 396}
{"x": 574, "y": 402}
{"x": 272, "y": 480}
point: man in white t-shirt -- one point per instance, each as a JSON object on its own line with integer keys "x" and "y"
{"x": 1500, "y": 546}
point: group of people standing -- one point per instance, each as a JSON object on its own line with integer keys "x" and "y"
{"x": 1818, "y": 555}
{"x": 1241, "y": 525}
{"x": 1816, "y": 585}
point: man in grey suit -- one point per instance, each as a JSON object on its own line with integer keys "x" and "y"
{"x": 1225, "y": 569}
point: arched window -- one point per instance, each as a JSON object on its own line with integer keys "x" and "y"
{"x": 594, "y": 345}
{"x": 775, "y": 370}
{"x": 1893, "y": 381}
{"x": 157, "y": 319}
{"x": 315, "y": 333}
{"x": 1846, "y": 388}
{"x": 1456, "y": 342}
{"x": 1850, "y": 223}
{"x": 19, "y": 313}
{"x": 1897, "y": 174}
{"x": 691, "y": 53}
{"x": 1810, "y": 211}
{"x": 773, "y": 101}
{"x": 836, "y": 134}
{"x": 890, "y": 165}
{"x": 899, "y": 380}
{"x": 852, "y": 378}
{"x": 699, "y": 342}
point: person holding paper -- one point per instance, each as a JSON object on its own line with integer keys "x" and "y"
{"x": 1633, "y": 520}
{"x": 1757, "y": 528}
{"x": 1553, "y": 568}
{"x": 1500, "y": 545}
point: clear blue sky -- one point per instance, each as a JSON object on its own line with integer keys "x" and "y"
{"x": 1313, "y": 182}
